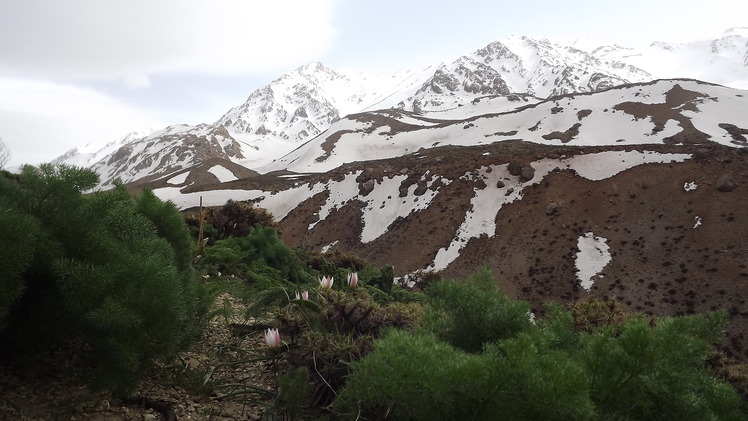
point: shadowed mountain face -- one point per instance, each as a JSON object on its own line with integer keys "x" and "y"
{"x": 636, "y": 193}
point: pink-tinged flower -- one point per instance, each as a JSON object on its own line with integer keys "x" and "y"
{"x": 353, "y": 279}
{"x": 305, "y": 295}
{"x": 272, "y": 338}
{"x": 326, "y": 282}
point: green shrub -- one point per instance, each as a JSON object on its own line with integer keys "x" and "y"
{"x": 335, "y": 327}
{"x": 235, "y": 255}
{"x": 237, "y": 219}
{"x": 385, "y": 280}
{"x": 225, "y": 257}
{"x": 107, "y": 269}
{"x": 658, "y": 372}
{"x": 20, "y": 235}
{"x": 417, "y": 377}
{"x": 411, "y": 377}
{"x": 615, "y": 367}
{"x": 471, "y": 314}
{"x": 336, "y": 259}
{"x": 293, "y": 391}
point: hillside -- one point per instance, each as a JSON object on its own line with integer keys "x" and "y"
{"x": 636, "y": 193}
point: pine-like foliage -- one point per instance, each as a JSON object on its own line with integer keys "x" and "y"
{"x": 236, "y": 255}
{"x": 104, "y": 268}
{"x": 479, "y": 361}
{"x": 473, "y": 313}
{"x": 20, "y": 235}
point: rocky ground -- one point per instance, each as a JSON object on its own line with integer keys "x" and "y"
{"x": 51, "y": 390}
{"x": 674, "y": 250}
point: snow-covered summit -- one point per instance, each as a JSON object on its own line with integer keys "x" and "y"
{"x": 302, "y": 104}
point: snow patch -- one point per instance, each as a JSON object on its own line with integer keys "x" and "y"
{"x": 340, "y": 192}
{"x": 222, "y": 173}
{"x": 690, "y": 186}
{"x": 327, "y": 247}
{"x": 384, "y": 206}
{"x": 602, "y": 165}
{"x": 179, "y": 179}
{"x": 481, "y": 217}
{"x": 593, "y": 256}
{"x": 696, "y": 222}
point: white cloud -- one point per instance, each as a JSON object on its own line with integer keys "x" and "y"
{"x": 41, "y": 120}
{"x": 49, "y": 49}
{"x": 136, "y": 81}
{"x": 87, "y": 39}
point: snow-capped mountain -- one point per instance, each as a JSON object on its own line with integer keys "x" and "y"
{"x": 304, "y": 103}
{"x": 723, "y": 60}
{"x": 301, "y": 104}
{"x": 165, "y": 151}
{"x": 88, "y": 155}
{"x": 659, "y": 112}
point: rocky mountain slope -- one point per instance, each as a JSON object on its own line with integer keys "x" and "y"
{"x": 300, "y": 105}
{"x": 636, "y": 192}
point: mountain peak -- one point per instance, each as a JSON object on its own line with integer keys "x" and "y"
{"x": 305, "y": 102}
{"x": 736, "y": 30}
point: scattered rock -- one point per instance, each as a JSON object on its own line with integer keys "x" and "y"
{"x": 701, "y": 154}
{"x": 421, "y": 189}
{"x": 725, "y": 183}
{"x": 366, "y": 187}
{"x": 527, "y": 173}
{"x": 514, "y": 168}
{"x": 500, "y": 184}
{"x": 365, "y": 175}
{"x": 509, "y": 191}
{"x": 552, "y": 209}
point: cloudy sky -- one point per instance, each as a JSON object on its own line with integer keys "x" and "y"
{"x": 77, "y": 72}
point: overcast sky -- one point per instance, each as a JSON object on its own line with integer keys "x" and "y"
{"x": 74, "y": 72}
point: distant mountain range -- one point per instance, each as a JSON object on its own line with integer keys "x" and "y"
{"x": 300, "y": 105}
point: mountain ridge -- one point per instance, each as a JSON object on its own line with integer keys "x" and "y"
{"x": 299, "y": 105}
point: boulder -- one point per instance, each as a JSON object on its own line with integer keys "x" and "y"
{"x": 526, "y": 173}
{"x": 725, "y": 183}
{"x": 514, "y": 168}
{"x": 366, "y": 187}
{"x": 365, "y": 175}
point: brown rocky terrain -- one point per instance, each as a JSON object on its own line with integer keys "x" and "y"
{"x": 662, "y": 262}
